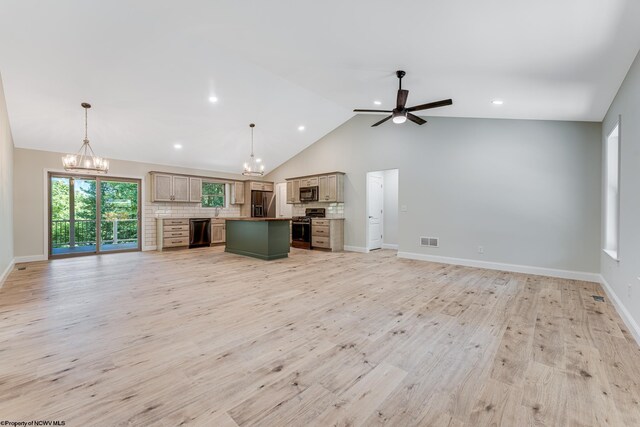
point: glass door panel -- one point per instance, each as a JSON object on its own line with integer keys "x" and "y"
{"x": 119, "y": 215}
{"x": 73, "y": 215}
{"x": 84, "y": 215}
{"x": 60, "y": 193}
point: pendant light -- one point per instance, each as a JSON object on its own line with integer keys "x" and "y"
{"x": 85, "y": 160}
{"x": 253, "y": 167}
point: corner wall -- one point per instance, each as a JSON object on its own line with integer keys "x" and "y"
{"x": 6, "y": 190}
{"x": 528, "y": 191}
{"x": 622, "y": 279}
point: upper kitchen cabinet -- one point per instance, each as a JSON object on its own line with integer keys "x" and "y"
{"x": 175, "y": 188}
{"x": 309, "y": 182}
{"x": 331, "y": 188}
{"x": 237, "y": 193}
{"x": 293, "y": 191}
{"x": 195, "y": 189}
{"x": 161, "y": 188}
{"x": 261, "y": 186}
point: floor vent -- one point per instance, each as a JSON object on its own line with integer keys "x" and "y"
{"x": 598, "y": 298}
{"x": 22, "y": 268}
{"x": 432, "y": 242}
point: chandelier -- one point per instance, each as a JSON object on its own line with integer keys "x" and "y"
{"x": 85, "y": 160}
{"x": 253, "y": 167}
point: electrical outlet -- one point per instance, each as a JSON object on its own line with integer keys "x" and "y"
{"x": 403, "y": 208}
{"x": 480, "y": 249}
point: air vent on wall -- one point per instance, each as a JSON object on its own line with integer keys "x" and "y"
{"x": 432, "y": 242}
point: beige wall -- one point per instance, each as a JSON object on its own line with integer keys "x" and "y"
{"x": 30, "y": 188}
{"x": 528, "y": 191}
{"x": 6, "y": 190}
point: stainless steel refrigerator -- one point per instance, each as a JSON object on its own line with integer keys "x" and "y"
{"x": 263, "y": 204}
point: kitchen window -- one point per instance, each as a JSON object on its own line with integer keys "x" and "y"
{"x": 213, "y": 194}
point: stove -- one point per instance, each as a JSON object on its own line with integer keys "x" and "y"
{"x": 301, "y": 227}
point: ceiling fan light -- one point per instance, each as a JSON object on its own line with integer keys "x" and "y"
{"x": 399, "y": 117}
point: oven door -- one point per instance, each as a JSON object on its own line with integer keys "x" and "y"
{"x": 301, "y": 235}
{"x": 309, "y": 194}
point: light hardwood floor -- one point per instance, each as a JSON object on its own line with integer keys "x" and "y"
{"x": 201, "y": 337}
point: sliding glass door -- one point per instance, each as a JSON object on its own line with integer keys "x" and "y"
{"x": 89, "y": 215}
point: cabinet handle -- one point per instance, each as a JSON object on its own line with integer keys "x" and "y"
{"x": 177, "y": 241}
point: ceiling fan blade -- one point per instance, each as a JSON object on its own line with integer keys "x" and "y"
{"x": 436, "y": 104}
{"x": 372, "y": 111}
{"x": 402, "y": 99}
{"x": 381, "y": 121}
{"x": 416, "y": 119}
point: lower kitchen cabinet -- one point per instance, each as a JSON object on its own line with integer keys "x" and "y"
{"x": 327, "y": 234}
{"x": 172, "y": 233}
{"x": 218, "y": 231}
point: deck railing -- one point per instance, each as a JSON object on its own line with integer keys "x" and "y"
{"x": 82, "y": 232}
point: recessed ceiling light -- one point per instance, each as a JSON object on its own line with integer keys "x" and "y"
{"x": 377, "y": 102}
{"x": 497, "y": 102}
{"x": 301, "y": 128}
{"x": 258, "y": 160}
{"x": 213, "y": 99}
{"x": 177, "y": 146}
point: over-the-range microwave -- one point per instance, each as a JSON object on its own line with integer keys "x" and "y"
{"x": 309, "y": 194}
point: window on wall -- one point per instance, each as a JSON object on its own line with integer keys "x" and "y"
{"x": 612, "y": 215}
{"x": 213, "y": 194}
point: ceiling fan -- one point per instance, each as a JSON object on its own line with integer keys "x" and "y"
{"x": 400, "y": 114}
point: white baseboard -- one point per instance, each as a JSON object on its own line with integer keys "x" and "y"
{"x": 390, "y": 246}
{"x": 6, "y": 272}
{"x": 622, "y": 310}
{"x": 356, "y": 249}
{"x": 149, "y": 248}
{"x": 538, "y": 271}
{"x": 30, "y": 258}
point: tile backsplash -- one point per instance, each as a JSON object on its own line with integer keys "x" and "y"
{"x": 177, "y": 210}
{"x": 333, "y": 210}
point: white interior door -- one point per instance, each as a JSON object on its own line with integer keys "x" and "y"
{"x": 375, "y": 203}
{"x": 283, "y": 209}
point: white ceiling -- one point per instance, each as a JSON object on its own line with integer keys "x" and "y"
{"x": 149, "y": 67}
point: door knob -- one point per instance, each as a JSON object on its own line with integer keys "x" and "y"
{"x": 370, "y": 217}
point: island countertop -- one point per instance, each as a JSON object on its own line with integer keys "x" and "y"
{"x": 255, "y": 219}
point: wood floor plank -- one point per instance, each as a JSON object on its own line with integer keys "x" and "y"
{"x": 202, "y": 337}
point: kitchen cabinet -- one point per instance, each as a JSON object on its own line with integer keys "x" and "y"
{"x": 195, "y": 189}
{"x": 172, "y": 233}
{"x": 218, "y": 231}
{"x": 180, "y": 188}
{"x": 237, "y": 193}
{"x": 261, "y": 186}
{"x": 293, "y": 191}
{"x": 327, "y": 234}
{"x": 169, "y": 188}
{"x": 162, "y": 188}
{"x": 331, "y": 188}
{"x": 309, "y": 182}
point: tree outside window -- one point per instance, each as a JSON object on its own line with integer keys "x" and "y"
{"x": 212, "y": 195}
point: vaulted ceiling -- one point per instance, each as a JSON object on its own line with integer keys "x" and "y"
{"x": 149, "y": 68}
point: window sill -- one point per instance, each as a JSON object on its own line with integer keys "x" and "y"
{"x": 612, "y": 254}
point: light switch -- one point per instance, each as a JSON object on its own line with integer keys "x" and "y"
{"x": 403, "y": 208}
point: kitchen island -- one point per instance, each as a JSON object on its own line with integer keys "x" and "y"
{"x": 263, "y": 238}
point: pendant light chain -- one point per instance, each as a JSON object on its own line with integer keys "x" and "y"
{"x": 253, "y": 166}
